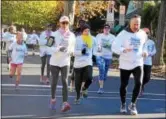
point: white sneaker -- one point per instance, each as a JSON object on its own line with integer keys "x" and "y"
{"x": 133, "y": 109}
{"x": 123, "y": 108}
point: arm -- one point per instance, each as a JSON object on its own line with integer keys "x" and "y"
{"x": 154, "y": 50}
{"x": 117, "y": 45}
{"x": 26, "y": 51}
{"x": 9, "y": 51}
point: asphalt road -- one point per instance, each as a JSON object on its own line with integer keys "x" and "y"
{"x": 32, "y": 99}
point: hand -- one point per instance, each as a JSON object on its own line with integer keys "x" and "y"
{"x": 84, "y": 51}
{"x": 99, "y": 49}
{"x": 144, "y": 54}
{"x": 127, "y": 50}
{"x": 62, "y": 49}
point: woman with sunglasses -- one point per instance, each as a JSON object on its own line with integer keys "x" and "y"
{"x": 62, "y": 48}
{"x": 83, "y": 62}
{"x": 104, "y": 55}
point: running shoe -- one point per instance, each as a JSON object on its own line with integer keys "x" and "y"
{"x": 85, "y": 93}
{"x": 52, "y": 104}
{"x": 133, "y": 109}
{"x": 100, "y": 91}
{"x": 77, "y": 101}
{"x": 123, "y": 108}
{"x": 65, "y": 107}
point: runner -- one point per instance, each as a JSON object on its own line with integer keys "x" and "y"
{"x": 3, "y": 42}
{"x": 63, "y": 46}
{"x": 34, "y": 40}
{"x": 77, "y": 33}
{"x": 9, "y": 38}
{"x": 45, "y": 53}
{"x": 17, "y": 51}
{"x": 104, "y": 55}
{"x": 148, "y": 60}
{"x": 83, "y": 62}
{"x": 129, "y": 44}
{"x": 24, "y": 35}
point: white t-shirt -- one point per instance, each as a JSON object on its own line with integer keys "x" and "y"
{"x": 135, "y": 41}
{"x": 151, "y": 51}
{"x": 34, "y": 38}
{"x": 59, "y": 58}
{"x": 18, "y": 52}
{"x": 104, "y": 42}
{"x": 83, "y": 60}
{"x": 9, "y": 38}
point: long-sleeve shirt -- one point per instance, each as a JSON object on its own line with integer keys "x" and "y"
{"x": 134, "y": 41}
{"x": 80, "y": 59}
{"x": 151, "y": 51}
{"x": 19, "y": 51}
{"x": 9, "y": 38}
{"x": 104, "y": 42}
{"x": 59, "y": 58}
{"x": 44, "y": 50}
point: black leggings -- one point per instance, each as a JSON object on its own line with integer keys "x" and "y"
{"x": 147, "y": 73}
{"x": 138, "y": 77}
{"x": 72, "y": 68}
{"x": 43, "y": 63}
{"x": 80, "y": 75}
{"x": 55, "y": 76}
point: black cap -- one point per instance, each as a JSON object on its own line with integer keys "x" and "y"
{"x": 86, "y": 26}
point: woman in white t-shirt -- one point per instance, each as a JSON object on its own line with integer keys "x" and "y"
{"x": 9, "y": 38}
{"x": 33, "y": 41}
{"x": 150, "y": 44}
{"x": 104, "y": 55}
{"x": 45, "y": 53}
{"x": 17, "y": 51}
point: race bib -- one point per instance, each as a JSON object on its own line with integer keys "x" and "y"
{"x": 135, "y": 43}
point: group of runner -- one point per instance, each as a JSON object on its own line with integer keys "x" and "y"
{"x": 64, "y": 51}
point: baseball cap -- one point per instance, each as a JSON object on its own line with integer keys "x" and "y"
{"x": 64, "y": 18}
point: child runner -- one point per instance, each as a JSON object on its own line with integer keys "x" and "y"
{"x": 17, "y": 51}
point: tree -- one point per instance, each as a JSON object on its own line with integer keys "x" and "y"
{"x": 30, "y": 13}
{"x": 161, "y": 28}
{"x": 150, "y": 9}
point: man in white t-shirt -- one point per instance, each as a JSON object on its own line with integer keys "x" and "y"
{"x": 129, "y": 44}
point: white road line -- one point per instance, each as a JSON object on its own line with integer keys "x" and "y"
{"x": 58, "y": 96}
{"x": 59, "y": 86}
{"x": 18, "y": 116}
{"x": 140, "y": 116}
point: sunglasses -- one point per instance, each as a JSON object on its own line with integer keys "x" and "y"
{"x": 65, "y": 23}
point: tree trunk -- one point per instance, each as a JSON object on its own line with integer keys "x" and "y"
{"x": 69, "y": 10}
{"x": 160, "y": 36}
